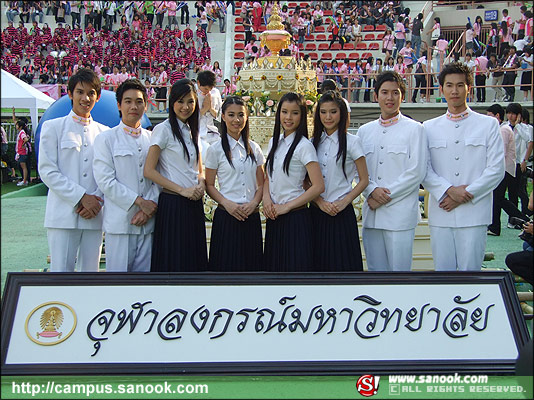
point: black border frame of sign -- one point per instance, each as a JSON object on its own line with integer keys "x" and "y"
{"x": 504, "y": 279}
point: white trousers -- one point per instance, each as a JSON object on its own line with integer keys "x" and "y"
{"x": 70, "y": 248}
{"x": 388, "y": 250}
{"x": 128, "y": 253}
{"x": 459, "y": 249}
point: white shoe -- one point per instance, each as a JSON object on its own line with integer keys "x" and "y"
{"x": 22, "y": 183}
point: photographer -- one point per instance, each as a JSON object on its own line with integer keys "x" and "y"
{"x": 520, "y": 263}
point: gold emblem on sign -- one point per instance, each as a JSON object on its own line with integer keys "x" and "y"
{"x": 50, "y": 317}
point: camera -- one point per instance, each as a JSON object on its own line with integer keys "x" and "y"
{"x": 529, "y": 173}
{"x": 517, "y": 222}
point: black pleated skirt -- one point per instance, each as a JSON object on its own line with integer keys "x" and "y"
{"x": 336, "y": 242}
{"x": 179, "y": 241}
{"x": 235, "y": 246}
{"x": 288, "y": 243}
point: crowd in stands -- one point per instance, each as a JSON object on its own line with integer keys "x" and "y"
{"x": 118, "y": 39}
{"x": 147, "y": 39}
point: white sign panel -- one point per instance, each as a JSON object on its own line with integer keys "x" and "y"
{"x": 296, "y": 321}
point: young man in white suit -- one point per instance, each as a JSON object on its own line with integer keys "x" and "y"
{"x": 131, "y": 199}
{"x": 73, "y": 208}
{"x": 395, "y": 153}
{"x": 466, "y": 163}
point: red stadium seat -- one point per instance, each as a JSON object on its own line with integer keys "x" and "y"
{"x": 237, "y": 11}
{"x": 366, "y": 55}
{"x": 348, "y": 46}
{"x": 341, "y": 56}
{"x": 361, "y": 46}
{"x": 310, "y": 37}
{"x": 239, "y": 36}
{"x": 304, "y": 5}
{"x": 369, "y": 36}
{"x": 238, "y": 4}
{"x": 380, "y": 28}
{"x": 301, "y": 46}
{"x": 239, "y": 55}
{"x": 368, "y": 28}
{"x": 330, "y": 37}
{"x": 326, "y": 56}
{"x": 374, "y": 46}
{"x": 379, "y": 36}
{"x": 311, "y": 47}
{"x": 336, "y": 46}
{"x": 238, "y": 20}
{"x": 328, "y": 13}
{"x": 354, "y": 56}
{"x": 320, "y": 37}
{"x": 239, "y": 46}
{"x": 319, "y": 29}
{"x": 313, "y": 56}
{"x": 239, "y": 28}
{"x": 323, "y": 46}
{"x": 238, "y": 64}
{"x": 262, "y": 28}
{"x": 352, "y": 65}
{"x": 291, "y": 5}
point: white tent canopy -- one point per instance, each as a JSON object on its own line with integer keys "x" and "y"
{"x": 18, "y": 94}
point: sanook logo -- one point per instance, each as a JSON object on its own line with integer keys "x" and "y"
{"x": 50, "y": 323}
{"x": 367, "y": 385}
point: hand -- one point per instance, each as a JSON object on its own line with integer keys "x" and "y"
{"x": 147, "y": 206}
{"x": 340, "y": 205}
{"x": 373, "y": 204}
{"x": 235, "y": 210}
{"x": 82, "y": 212}
{"x": 326, "y": 207}
{"x": 459, "y": 194}
{"x": 523, "y": 166}
{"x": 528, "y": 228}
{"x": 193, "y": 192}
{"x": 249, "y": 208}
{"x": 92, "y": 203}
{"x": 448, "y": 204}
{"x": 268, "y": 207}
{"x": 139, "y": 219}
{"x": 281, "y": 209}
{"x": 206, "y": 105}
{"x": 381, "y": 195}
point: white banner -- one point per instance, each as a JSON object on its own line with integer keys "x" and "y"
{"x": 257, "y": 323}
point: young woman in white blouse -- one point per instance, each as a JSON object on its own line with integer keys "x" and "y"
{"x": 288, "y": 244}
{"x": 174, "y": 163}
{"x": 236, "y": 161}
{"x": 336, "y": 242}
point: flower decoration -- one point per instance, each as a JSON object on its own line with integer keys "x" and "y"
{"x": 238, "y": 78}
{"x": 263, "y": 77}
{"x": 250, "y": 78}
{"x": 247, "y": 98}
{"x": 279, "y": 77}
{"x": 297, "y": 76}
{"x": 311, "y": 98}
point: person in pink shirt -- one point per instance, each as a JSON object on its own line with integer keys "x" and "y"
{"x": 481, "y": 72}
{"x": 249, "y": 46}
{"x": 477, "y": 26}
{"x": 229, "y": 88}
{"x": 441, "y": 45}
{"x": 206, "y": 66}
{"x": 387, "y": 43}
{"x": 257, "y": 13}
{"x": 345, "y": 71}
{"x": 318, "y": 16}
{"x": 505, "y": 37}
{"x": 400, "y": 37}
{"x": 408, "y": 53}
{"x": 171, "y": 13}
{"x": 400, "y": 67}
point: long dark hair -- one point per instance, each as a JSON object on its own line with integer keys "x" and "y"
{"x": 302, "y": 131}
{"x": 318, "y": 127}
{"x": 179, "y": 90}
{"x": 245, "y": 133}
{"x": 504, "y": 27}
